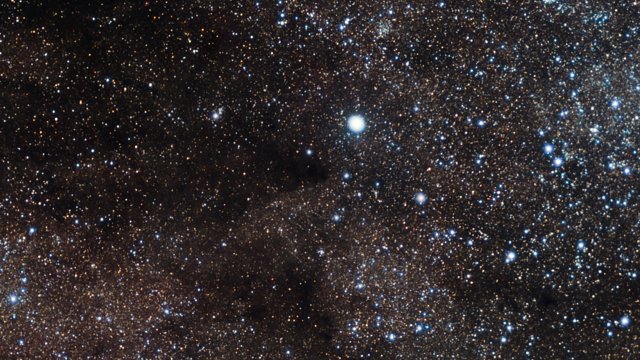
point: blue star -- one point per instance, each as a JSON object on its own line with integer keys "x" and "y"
{"x": 581, "y": 245}
{"x": 615, "y": 104}
{"x": 625, "y": 321}
{"x": 558, "y": 161}
{"x": 13, "y": 299}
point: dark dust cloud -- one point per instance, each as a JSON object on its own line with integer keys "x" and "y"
{"x": 319, "y": 179}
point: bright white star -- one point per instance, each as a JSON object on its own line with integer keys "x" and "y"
{"x": 356, "y": 123}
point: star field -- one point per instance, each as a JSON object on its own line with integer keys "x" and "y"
{"x": 319, "y": 180}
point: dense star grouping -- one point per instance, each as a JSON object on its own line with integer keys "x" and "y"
{"x": 337, "y": 179}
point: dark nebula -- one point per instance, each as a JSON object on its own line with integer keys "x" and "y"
{"x": 319, "y": 179}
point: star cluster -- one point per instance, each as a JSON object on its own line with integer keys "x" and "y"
{"x": 309, "y": 180}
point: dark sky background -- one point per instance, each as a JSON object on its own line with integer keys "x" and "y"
{"x": 319, "y": 180}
